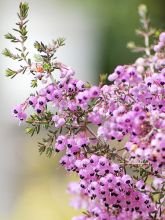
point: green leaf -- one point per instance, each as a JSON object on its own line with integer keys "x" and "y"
{"x": 34, "y": 83}
{"x": 23, "y": 31}
{"x": 47, "y": 66}
{"x": 49, "y": 151}
{"x": 60, "y": 41}
{"x": 38, "y": 129}
{"x": 11, "y": 73}
{"x": 42, "y": 148}
{"x": 11, "y": 37}
{"x": 29, "y": 62}
{"x": 38, "y": 58}
{"x": 30, "y": 131}
{"x": 37, "y": 45}
{"x": 41, "y": 47}
{"x": 9, "y": 54}
{"x": 23, "y": 7}
{"x": 103, "y": 78}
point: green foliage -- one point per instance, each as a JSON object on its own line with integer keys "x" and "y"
{"x": 41, "y": 47}
{"x": 11, "y": 73}
{"x": 47, "y": 67}
{"x": 23, "y": 10}
{"x": 30, "y": 130}
{"x": 46, "y": 53}
{"x": 47, "y": 143}
{"x": 49, "y": 151}
{"x": 45, "y": 121}
{"x": 38, "y": 58}
{"x": 36, "y": 121}
{"x": 46, "y": 58}
{"x": 21, "y": 30}
{"x": 59, "y": 42}
{"x": 34, "y": 83}
{"x": 12, "y": 38}
{"x": 9, "y": 54}
{"x": 103, "y": 78}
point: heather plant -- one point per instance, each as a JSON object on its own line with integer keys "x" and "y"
{"x": 86, "y": 123}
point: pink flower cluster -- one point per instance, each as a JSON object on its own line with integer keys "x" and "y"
{"x": 68, "y": 95}
{"x": 130, "y": 109}
{"x": 136, "y": 108}
{"x": 107, "y": 191}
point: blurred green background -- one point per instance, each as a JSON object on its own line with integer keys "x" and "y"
{"x": 33, "y": 187}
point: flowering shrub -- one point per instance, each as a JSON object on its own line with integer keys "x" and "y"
{"x": 82, "y": 121}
